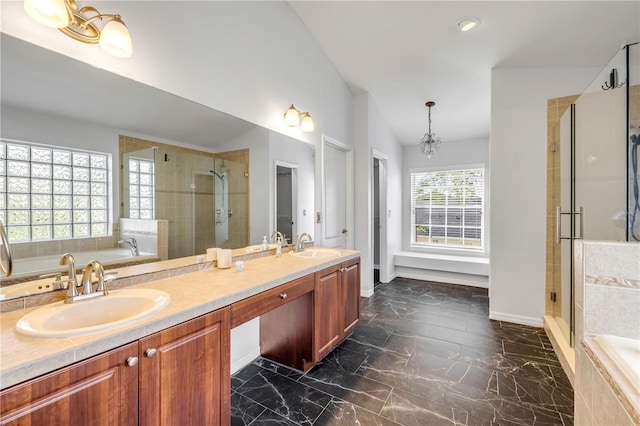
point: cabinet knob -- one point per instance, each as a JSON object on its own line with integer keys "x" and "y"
{"x": 132, "y": 361}
{"x": 283, "y": 295}
{"x": 150, "y": 353}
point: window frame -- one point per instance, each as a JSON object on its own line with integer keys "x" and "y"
{"x": 139, "y": 197}
{"x": 79, "y": 176}
{"x": 413, "y": 244}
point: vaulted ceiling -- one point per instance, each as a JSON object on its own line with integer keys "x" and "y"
{"x": 405, "y": 53}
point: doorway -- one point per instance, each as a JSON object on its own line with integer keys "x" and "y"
{"x": 380, "y": 215}
{"x": 376, "y": 221}
{"x": 286, "y": 200}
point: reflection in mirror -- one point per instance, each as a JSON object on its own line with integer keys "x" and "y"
{"x": 203, "y": 196}
{"x": 52, "y": 100}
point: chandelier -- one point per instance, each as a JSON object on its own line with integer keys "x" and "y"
{"x": 430, "y": 144}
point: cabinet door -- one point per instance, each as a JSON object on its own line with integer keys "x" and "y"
{"x": 99, "y": 391}
{"x": 350, "y": 296}
{"x": 184, "y": 373}
{"x": 327, "y": 317}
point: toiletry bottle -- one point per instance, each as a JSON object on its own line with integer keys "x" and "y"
{"x": 278, "y": 246}
{"x": 265, "y": 243}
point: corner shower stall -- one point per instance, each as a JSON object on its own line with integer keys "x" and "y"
{"x": 204, "y": 196}
{"x": 593, "y": 177}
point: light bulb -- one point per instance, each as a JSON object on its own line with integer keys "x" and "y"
{"x": 52, "y": 13}
{"x": 307, "y": 123}
{"x": 115, "y": 39}
{"x": 291, "y": 117}
{"x": 465, "y": 24}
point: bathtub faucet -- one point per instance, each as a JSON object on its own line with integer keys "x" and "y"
{"x": 132, "y": 244}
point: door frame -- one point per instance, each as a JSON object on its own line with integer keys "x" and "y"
{"x": 294, "y": 197}
{"x": 382, "y": 196}
{"x": 349, "y": 190}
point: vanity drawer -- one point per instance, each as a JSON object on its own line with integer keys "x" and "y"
{"x": 254, "y": 306}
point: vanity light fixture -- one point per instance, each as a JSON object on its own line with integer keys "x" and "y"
{"x": 114, "y": 38}
{"x": 430, "y": 144}
{"x": 465, "y": 24}
{"x": 292, "y": 119}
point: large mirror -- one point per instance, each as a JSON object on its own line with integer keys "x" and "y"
{"x": 54, "y": 101}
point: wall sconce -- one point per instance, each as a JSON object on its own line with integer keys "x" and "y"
{"x": 292, "y": 119}
{"x": 114, "y": 38}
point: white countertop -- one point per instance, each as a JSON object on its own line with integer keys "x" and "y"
{"x": 192, "y": 295}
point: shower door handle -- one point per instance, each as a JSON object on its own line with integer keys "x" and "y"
{"x": 580, "y": 213}
{"x": 559, "y": 214}
{"x": 559, "y": 235}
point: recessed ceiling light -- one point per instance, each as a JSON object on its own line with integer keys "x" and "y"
{"x": 465, "y": 24}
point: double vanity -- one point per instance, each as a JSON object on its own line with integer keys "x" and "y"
{"x": 175, "y": 364}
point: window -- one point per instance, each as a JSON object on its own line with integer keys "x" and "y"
{"x": 53, "y": 193}
{"x": 141, "y": 189}
{"x": 447, "y": 208}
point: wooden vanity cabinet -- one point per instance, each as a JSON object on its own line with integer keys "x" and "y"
{"x": 100, "y": 391}
{"x": 179, "y": 376}
{"x": 350, "y": 286}
{"x": 184, "y": 373}
{"x": 336, "y": 305}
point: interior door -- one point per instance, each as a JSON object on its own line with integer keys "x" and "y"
{"x": 335, "y": 196}
{"x": 286, "y": 200}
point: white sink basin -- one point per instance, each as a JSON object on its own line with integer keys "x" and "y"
{"x": 315, "y": 253}
{"x": 116, "y": 309}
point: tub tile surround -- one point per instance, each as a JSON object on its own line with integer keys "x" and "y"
{"x": 192, "y": 295}
{"x": 607, "y": 303}
{"x": 152, "y": 236}
{"x": 48, "y": 248}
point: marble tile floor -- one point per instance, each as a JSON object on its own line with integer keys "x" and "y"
{"x": 425, "y": 353}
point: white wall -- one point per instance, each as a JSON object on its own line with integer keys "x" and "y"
{"x": 373, "y": 132}
{"x": 451, "y": 154}
{"x": 248, "y": 59}
{"x": 518, "y": 185}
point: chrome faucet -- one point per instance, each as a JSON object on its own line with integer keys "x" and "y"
{"x": 300, "y": 244}
{"x": 72, "y": 284}
{"x": 132, "y": 244}
{"x": 277, "y": 234}
{"x": 93, "y": 267}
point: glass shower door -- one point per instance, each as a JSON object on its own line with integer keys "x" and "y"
{"x": 565, "y": 227}
{"x": 601, "y": 154}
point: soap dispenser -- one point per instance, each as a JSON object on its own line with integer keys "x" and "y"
{"x": 265, "y": 244}
{"x": 278, "y": 246}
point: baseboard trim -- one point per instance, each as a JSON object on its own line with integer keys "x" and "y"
{"x": 244, "y": 360}
{"x": 366, "y": 293}
{"x": 443, "y": 277}
{"x": 389, "y": 278}
{"x": 517, "y": 319}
